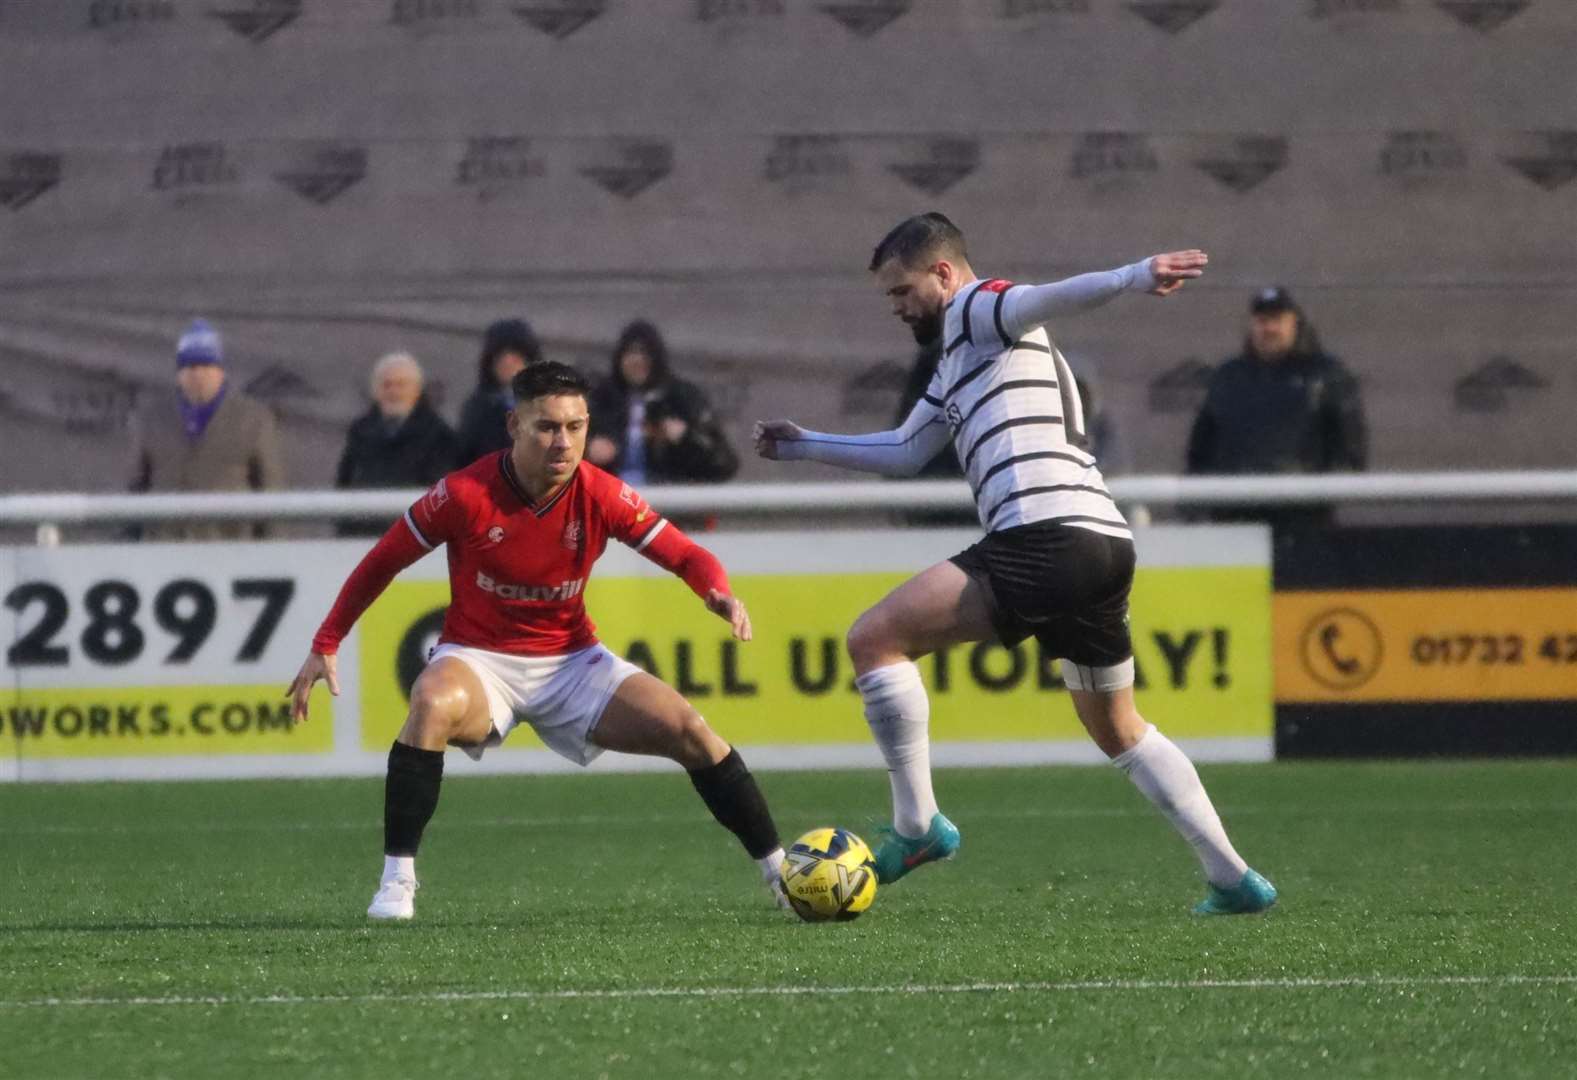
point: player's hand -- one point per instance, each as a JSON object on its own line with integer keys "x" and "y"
{"x": 1174, "y": 268}
{"x": 770, "y": 432}
{"x": 317, "y": 666}
{"x": 732, "y": 608}
{"x": 673, "y": 429}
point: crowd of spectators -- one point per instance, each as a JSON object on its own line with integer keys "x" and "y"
{"x": 1282, "y": 404}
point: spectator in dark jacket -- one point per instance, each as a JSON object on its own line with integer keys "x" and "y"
{"x": 399, "y": 442}
{"x": 647, "y": 426}
{"x": 1283, "y": 405}
{"x": 507, "y": 346}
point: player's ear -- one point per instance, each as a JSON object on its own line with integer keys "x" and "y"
{"x": 512, "y": 424}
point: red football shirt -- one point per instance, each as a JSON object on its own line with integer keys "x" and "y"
{"x": 518, "y": 572}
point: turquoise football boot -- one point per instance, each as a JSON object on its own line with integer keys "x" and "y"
{"x": 897, "y": 855}
{"x": 1248, "y": 896}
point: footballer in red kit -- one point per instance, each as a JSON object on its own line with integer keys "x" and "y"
{"x": 522, "y": 529}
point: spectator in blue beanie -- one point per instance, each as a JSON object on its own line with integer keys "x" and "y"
{"x": 209, "y": 437}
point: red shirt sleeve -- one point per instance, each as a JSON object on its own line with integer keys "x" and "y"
{"x": 675, "y": 552}
{"x": 632, "y": 521}
{"x": 630, "y": 518}
{"x": 397, "y": 549}
{"x": 431, "y": 520}
{"x": 436, "y": 517}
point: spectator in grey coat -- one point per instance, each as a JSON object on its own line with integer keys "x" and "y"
{"x": 210, "y": 437}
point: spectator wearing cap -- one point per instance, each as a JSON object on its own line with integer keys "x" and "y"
{"x": 399, "y": 442}
{"x": 211, "y": 437}
{"x": 507, "y": 346}
{"x": 648, "y": 426}
{"x": 1282, "y": 405}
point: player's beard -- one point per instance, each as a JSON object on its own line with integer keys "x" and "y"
{"x": 927, "y": 328}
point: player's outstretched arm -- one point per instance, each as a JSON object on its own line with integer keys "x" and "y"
{"x": 397, "y": 549}
{"x": 666, "y": 545}
{"x": 1025, "y": 307}
{"x": 903, "y": 451}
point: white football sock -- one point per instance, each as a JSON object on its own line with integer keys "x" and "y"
{"x": 899, "y": 714}
{"x": 397, "y": 866}
{"x": 770, "y": 865}
{"x": 1168, "y": 779}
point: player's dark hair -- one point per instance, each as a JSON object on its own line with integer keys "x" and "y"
{"x": 547, "y": 378}
{"x": 914, "y": 239}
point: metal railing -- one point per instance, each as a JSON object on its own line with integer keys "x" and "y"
{"x": 852, "y": 497}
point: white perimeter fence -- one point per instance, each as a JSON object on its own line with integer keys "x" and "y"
{"x": 856, "y": 497}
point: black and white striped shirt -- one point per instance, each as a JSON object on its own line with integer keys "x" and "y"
{"x": 1005, "y": 396}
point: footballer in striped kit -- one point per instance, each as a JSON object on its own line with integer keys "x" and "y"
{"x": 1057, "y": 558}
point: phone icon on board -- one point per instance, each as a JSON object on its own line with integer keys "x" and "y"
{"x": 1341, "y": 648}
{"x": 1330, "y": 634}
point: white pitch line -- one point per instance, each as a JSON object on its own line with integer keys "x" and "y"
{"x": 602, "y": 820}
{"x": 1358, "y": 982}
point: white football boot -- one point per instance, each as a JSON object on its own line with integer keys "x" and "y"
{"x": 779, "y": 897}
{"x": 772, "y": 877}
{"x": 395, "y": 899}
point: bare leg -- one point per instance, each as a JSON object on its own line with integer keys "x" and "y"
{"x": 646, "y": 716}
{"x": 1110, "y": 718}
{"x": 938, "y": 607}
{"x": 448, "y": 706}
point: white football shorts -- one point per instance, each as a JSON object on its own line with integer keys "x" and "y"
{"x": 561, "y": 697}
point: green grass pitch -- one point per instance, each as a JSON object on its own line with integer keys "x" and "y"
{"x": 602, "y": 926}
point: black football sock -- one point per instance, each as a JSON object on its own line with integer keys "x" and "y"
{"x": 410, "y": 795}
{"x": 730, "y": 792}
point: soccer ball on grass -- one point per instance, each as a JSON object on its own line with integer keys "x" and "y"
{"x": 829, "y": 874}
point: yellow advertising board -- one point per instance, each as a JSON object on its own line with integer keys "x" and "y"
{"x": 1426, "y": 645}
{"x": 150, "y": 661}
{"x": 1200, "y": 637}
{"x": 163, "y": 661}
{"x": 126, "y": 721}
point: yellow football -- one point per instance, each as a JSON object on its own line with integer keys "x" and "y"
{"x": 829, "y": 874}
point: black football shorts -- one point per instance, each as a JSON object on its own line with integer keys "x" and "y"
{"x": 1065, "y": 586}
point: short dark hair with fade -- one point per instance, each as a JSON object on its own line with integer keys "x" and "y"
{"x": 914, "y": 238}
{"x": 547, "y": 378}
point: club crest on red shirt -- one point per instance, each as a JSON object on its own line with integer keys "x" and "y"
{"x": 495, "y": 535}
{"x": 572, "y": 536}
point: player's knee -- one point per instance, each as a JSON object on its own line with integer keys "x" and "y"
{"x": 868, "y": 640}
{"x": 692, "y": 740}
{"x": 436, "y": 706}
